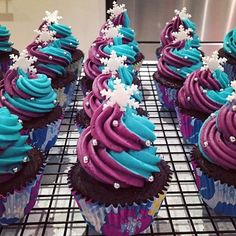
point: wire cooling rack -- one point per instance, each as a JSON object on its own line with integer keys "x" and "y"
{"x": 182, "y": 212}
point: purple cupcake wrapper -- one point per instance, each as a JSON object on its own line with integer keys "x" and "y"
{"x": 230, "y": 70}
{"x": 167, "y": 96}
{"x": 189, "y": 126}
{"x": 121, "y": 220}
{"x": 44, "y": 138}
{"x": 219, "y": 197}
{"x": 14, "y": 206}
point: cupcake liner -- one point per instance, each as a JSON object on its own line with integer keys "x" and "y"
{"x": 167, "y": 96}
{"x": 189, "y": 126}
{"x": 158, "y": 53}
{"x": 230, "y": 70}
{"x": 15, "y": 205}
{"x": 69, "y": 91}
{"x": 138, "y": 65}
{"x": 218, "y": 196}
{"x": 44, "y": 138}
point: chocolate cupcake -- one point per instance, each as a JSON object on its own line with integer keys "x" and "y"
{"x": 203, "y": 93}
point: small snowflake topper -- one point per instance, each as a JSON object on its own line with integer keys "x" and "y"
{"x": 183, "y": 14}
{"x": 232, "y": 97}
{"x": 113, "y": 63}
{"x": 112, "y": 31}
{"x": 214, "y": 62}
{"x": 24, "y": 62}
{"x": 116, "y": 10}
{"x": 52, "y": 17}
{"x": 45, "y": 35}
{"x": 182, "y": 34}
{"x": 121, "y": 95}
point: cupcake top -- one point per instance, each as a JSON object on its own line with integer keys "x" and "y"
{"x": 217, "y": 138}
{"x": 206, "y": 89}
{"x": 13, "y": 147}
{"x": 24, "y": 92}
{"x": 179, "y": 59}
{"x": 5, "y": 45}
{"x": 230, "y": 43}
{"x": 116, "y": 147}
{"x": 181, "y": 18}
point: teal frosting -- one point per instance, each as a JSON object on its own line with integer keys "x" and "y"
{"x": 59, "y": 70}
{"x": 126, "y": 21}
{"x": 61, "y": 29}
{"x": 13, "y": 147}
{"x": 230, "y": 43}
{"x": 5, "y": 45}
{"x": 189, "y": 24}
{"x": 121, "y": 49}
{"x": 69, "y": 41}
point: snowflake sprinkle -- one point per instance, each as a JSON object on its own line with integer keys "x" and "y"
{"x": 183, "y": 14}
{"x": 214, "y": 62}
{"x": 113, "y": 63}
{"x": 45, "y": 35}
{"x": 24, "y": 62}
{"x": 182, "y": 34}
{"x": 116, "y": 10}
{"x": 232, "y": 97}
{"x": 52, "y": 17}
{"x": 121, "y": 95}
{"x": 112, "y": 31}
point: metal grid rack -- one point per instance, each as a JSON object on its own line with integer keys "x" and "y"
{"x": 182, "y": 212}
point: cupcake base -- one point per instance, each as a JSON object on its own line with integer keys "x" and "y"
{"x": 118, "y": 211}
{"x": 216, "y": 185}
{"x": 138, "y": 62}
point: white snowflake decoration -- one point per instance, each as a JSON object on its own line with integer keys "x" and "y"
{"x": 116, "y": 10}
{"x": 121, "y": 95}
{"x": 214, "y": 62}
{"x": 113, "y": 63}
{"x": 183, "y": 14}
{"x": 52, "y": 17}
{"x": 182, "y": 34}
{"x": 232, "y": 97}
{"x": 45, "y": 35}
{"x": 112, "y": 31}
{"x": 24, "y": 62}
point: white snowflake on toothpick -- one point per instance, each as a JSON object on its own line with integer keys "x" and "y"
{"x": 183, "y": 14}
{"x": 45, "y": 35}
{"x": 116, "y": 10}
{"x": 112, "y": 31}
{"x": 24, "y": 62}
{"x": 214, "y": 62}
{"x": 232, "y": 97}
{"x": 182, "y": 34}
{"x": 52, "y": 17}
{"x": 121, "y": 95}
{"x": 113, "y": 63}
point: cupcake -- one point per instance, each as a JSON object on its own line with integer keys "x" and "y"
{"x": 30, "y": 96}
{"x": 116, "y": 155}
{"x": 178, "y": 60}
{"x": 214, "y": 161}
{"x": 204, "y": 91}
{"x": 181, "y": 18}
{"x": 52, "y": 61}
{"x": 229, "y": 52}
{"x": 6, "y": 49}
{"x": 102, "y": 48}
{"x": 21, "y": 169}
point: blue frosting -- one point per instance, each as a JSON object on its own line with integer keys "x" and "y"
{"x": 5, "y": 45}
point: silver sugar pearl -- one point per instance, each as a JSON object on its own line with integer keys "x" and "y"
{"x": 116, "y": 185}
{"x": 148, "y": 143}
{"x": 31, "y": 99}
{"x": 85, "y": 159}
{"x": 20, "y": 121}
{"x": 188, "y": 98}
{"x": 97, "y": 55}
{"x": 232, "y": 139}
{"x": 26, "y": 159}
{"x": 234, "y": 107}
{"x": 166, "y": 36}
{"x": 185, "y": 57}
{"x": 221, "y": 90}
{"x": 15, "y": 170}
{"x": 178, "y": 69}
{"x": 55, "y": 101}
{"x": 111, "y": 43}
{"x": 39, "y": 46}
{"x": 195, "y": 79}
{"x": 204, "y": 91}
{"x": 213, "y": 115}
{"x": 87, "y": 104}
{"x": 70, "y": 43}
{"x": 50, "y": 57}
{"x": 151, "y": 178}
{"x": 205, "y": 144}
{"x": 94, "y": 142}
{"x": 115, "y": 123}
{"x": 3, "y": 98}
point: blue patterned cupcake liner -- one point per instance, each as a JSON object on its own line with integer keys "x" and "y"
{"x": 189, "y": 126}
{"x": 230, "y": 70}
{"x": 219, "y": 197}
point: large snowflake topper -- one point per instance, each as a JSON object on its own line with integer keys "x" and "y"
{"x": 113, "y": 63}
{"x": 24, "y": 62}
{"x": 232, "y": 97}
{"x": 183, "y": 14}
{"x": 45, "y": 35}
{"x": 214, "y": 62}
{"x": 182, "y": 34}
{"x": 112, "y": 31}
{"x": 116, "y": 10}
{"x": 121, "y": 95}
{"x": 52, "y": 17}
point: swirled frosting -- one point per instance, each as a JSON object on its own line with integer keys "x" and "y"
{"x": 13, "y": 147}
{"x": 118, "y": 154}
{"x": 5, "y": 45}
{"x": 27, "y": 96}
{"x": 205, "y": 91}
{"x": 217, "y": 137}
{"x": 178, "y": 60}
{"x": 230, "y": 43}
